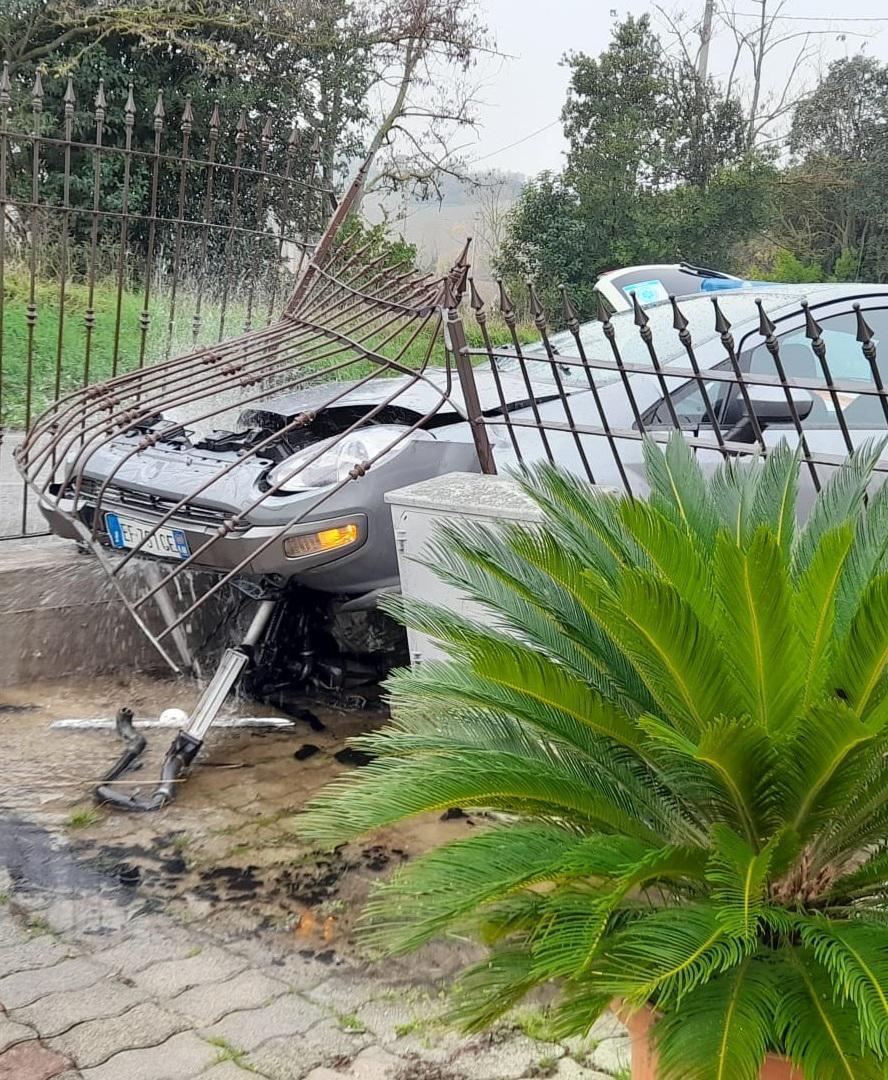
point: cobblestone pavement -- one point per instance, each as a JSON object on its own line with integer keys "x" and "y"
{"x": 107, "y": 981}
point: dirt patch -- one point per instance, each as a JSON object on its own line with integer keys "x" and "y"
{"x": 225, "y": 853}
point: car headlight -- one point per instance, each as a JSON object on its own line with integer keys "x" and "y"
{"x": 310, "y": 469}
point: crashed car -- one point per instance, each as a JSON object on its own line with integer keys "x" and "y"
{"x": 337, "y": 536}
{"x": 327, "y": 410}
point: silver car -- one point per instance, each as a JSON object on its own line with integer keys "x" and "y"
{"x": 342, "y": 541}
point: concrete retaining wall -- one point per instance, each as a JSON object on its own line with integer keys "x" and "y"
{"x": 59, "y": 616}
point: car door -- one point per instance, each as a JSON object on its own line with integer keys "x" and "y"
{"x": 843, "y": 415}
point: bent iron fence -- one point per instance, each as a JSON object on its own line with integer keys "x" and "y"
{"x": 585, "y": 399}
{"x": 123, "y": 238}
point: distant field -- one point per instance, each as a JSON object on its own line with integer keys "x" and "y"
{"x": 71, "y": 358}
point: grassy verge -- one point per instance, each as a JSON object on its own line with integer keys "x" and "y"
{"x": 62, "y": 358}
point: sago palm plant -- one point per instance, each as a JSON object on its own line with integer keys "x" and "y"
{"x": 677, "y": 711}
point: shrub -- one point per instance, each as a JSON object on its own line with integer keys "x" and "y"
{"x": 685, "y": 744}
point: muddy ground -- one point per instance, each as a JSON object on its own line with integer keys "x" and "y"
{"x": 224, "y": 852}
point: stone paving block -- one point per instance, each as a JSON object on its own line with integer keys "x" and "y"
{"x": 611, "y": 1055}
{"x": 227, "y": 1070}
{"x": 505, "y": 1057}
{"x": 139, "y": 950}
{"x": 95, "y": 1041}
{"x": 323, "y": 1074}
{"x": 335, "y": 1041}
{"x": 568, "y": 1069}
{"x": 32, "y": 953}
{"x": 374, "y": 1063}
{"x": 183, "y": 1057}
{"x": 246, "y": 1029}
{"x": 55, "y": 1013}
{"x": 171, "y": 977}
{"x": 31, "y": 1061}
{"x": 206, "y": 1004}
{"x": 300, "y": 972}
{"x": 287, "y": 1058}
{"x": 345, "y": 992}
{"x": 27, "y": 986}
{"x": 10, "y": 931}
{"x": 12, "y": 1033}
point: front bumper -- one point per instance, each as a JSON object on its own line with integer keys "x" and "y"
{"x": 251, "y": 543}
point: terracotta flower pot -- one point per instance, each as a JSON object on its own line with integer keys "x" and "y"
{"x": 644, "y": 1055}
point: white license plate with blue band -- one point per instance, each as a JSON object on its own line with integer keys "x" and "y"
{"x": 126, "y": 533}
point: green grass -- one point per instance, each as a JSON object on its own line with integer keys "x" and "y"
{"x": 83, "y": 818}
{"x": 68, "y": 365}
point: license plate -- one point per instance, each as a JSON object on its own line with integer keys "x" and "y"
{"x": 126, "y": 533}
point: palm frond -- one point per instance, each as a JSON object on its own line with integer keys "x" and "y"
{"x": 860, "y": 666}
{"x": 678, "y": 486}
{"x": 761, "y": 638}
{"x": 454, "y": 881}
{"x": 487, "y": 990}
{"x": 866, "y": 557}
{"x": 817, "y": 1033}
{"x": 739, "y": 878}
{"x": 856, "y": 956}
{"x": 666, "y": 954}
{"x": 815, "y": 603}
{"x": 839, "y": 499}
{"x": 677, "y": 657}
{"x": 672, "y": 552}
{"x": 723, "y": 1029}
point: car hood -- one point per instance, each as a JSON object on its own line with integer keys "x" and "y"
{"x": 434, "y": 389}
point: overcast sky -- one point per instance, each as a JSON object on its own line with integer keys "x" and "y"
{"x": 525, "y": 93}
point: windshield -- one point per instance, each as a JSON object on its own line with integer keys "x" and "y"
{"x": 696, "y": 309}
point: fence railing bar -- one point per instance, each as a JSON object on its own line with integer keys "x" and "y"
{"x": 766, "y": 329}
{"x": 145, "y": 316}
{"x": 186, "y": 123}
{"x": 234, "y": 214}
{"x": 129, "y": 119}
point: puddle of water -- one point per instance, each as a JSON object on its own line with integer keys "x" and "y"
{"x": 224, "y": 854}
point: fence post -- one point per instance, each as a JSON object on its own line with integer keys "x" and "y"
{"x": 455, "y": 343}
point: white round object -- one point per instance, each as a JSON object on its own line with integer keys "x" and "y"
{"x": 174, "y": 717}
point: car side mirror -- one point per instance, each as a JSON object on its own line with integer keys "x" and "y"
{"x": 770, "y": 406}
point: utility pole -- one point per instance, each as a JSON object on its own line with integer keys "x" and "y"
{"x": 705, "y": 35}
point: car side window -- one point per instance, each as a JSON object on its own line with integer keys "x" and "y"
{"x": 689, "y": 403}
{"x": 846, "y": 363}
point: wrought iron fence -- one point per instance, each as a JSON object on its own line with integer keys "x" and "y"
{"x": 118, "y": 251}
{"x": 144, "y": 449}
{"x": 802, "y": 367}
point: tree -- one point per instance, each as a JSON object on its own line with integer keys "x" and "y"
{"x": 676, "y": 713}
{"x": 656, "y": 171}
{"x": 833, "y": 204}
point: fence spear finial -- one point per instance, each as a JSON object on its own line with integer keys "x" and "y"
{"x": 293, "y": 140}
{"x": 447, "y": 297}
{"x": 639, "y": 317}
{"x": 507, "y": 308}
{"x": 603, "y": 309}
{"x": 241, "y": 129}
{"x": 722, "y": 325}
{"x": 101, "y": 103}
{"x": 5, "y": 84}
{"x": 679, "y": 321}
{"x": 159, "y": 111}
{"x": 267, "y": 133}
{"x": 864, "y": 330}
{"x": 476, "y": 301}
{"x": 37, "y": 92}
{"x": 536, "y": 308}
{"x": 568, "y": 309}
{"x": 766, "y": 325}
{"x": 129, "y": 109}
{"x": 813, "y": 328}
{"x": 215, "y": 121}
{"x": 187, "y": 116}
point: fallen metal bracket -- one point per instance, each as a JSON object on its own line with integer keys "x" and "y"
{"x": 187, "y": 743}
